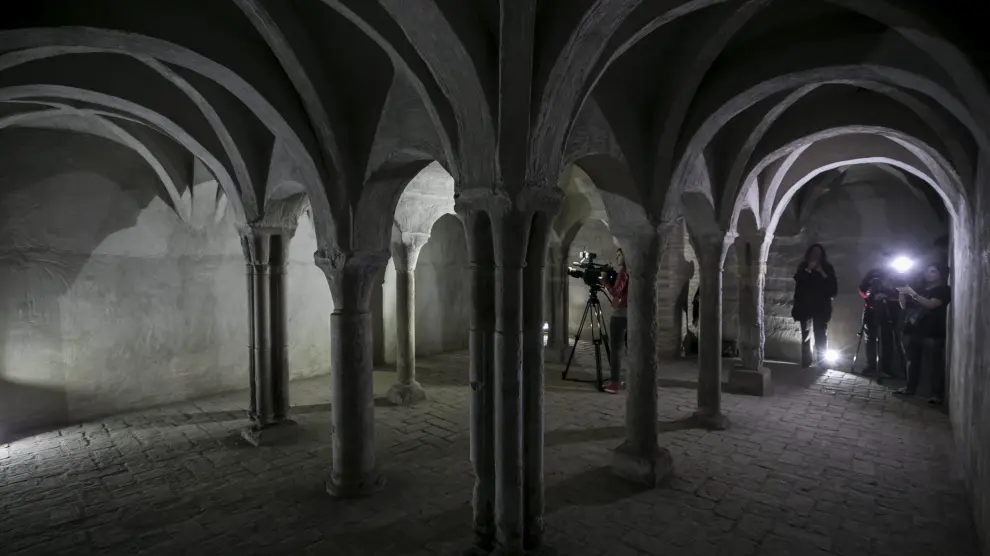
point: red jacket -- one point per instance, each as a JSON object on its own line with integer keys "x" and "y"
{"x": 619, "y": 290}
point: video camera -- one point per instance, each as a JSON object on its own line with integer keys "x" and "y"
{"x": 591, "y": 272}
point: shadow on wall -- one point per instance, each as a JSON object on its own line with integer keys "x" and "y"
{"x": 110, "y": 302}
{"x": 856, "y": 223}
{"x": 593, "y": 236}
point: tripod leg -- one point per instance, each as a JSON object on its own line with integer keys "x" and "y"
{"x": 604, "y": 328}
{"x": 577, "y": 337}
{"x": 596, "y": 339}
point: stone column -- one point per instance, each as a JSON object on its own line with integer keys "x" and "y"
{"x": 640, "y": 458}
{"x": 266, "y": 250}
{"x": 543, "y": 205}
{"x": 510, "y": 232}
{"x": 478, "y": 231}
{"x": 351, "y": 277}
{"x": 563, "y": 292}
{"x": 405, "y": 254}
{"x": 750, "y": 376}
{"x": 709, "y": 413}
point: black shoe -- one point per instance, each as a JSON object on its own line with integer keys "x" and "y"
{"x": 934, "y": 400}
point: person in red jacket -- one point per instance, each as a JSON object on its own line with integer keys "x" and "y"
{"x": 618, "y": 289}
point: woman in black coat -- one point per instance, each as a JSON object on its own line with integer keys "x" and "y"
{"x": 814, "y": 288}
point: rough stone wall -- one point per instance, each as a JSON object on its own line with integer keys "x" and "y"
{"x": 855, "y": 222}
{"x": 443, "y": 302}
{"x": 593, "y": 236}
{"x": 110, "y": 302}
{"x": 969, "y": 381}
{"x": 674, "y": 272}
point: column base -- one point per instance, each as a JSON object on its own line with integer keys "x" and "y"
{"x": 651, "y": 470}
{"x": 406, "y": 394}
{"x": 711, "y": 421}
{"x": 499, "y": 551}
{"x": 750, "y": 382}
{"x": 279, "y": 432}
{"x": 368, "y": 485}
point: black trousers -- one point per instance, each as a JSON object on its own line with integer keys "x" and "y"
{"x": 914, "y": 351}
{"x": 617, "y": 326}
{"x": 820, "y": 329}
{"x": 879, "y": 334}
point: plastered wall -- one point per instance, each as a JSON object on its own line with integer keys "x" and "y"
{"x": 109, "y": 301}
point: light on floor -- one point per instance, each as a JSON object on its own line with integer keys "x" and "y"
{"x": 831, "y": 357}
{"x": 546, "y": 333}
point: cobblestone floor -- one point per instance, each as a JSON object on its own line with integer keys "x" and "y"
{"x": 830, "y": 465}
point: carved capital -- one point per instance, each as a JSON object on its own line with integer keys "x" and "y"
{"x": 472, "y": 202}
{"x": 405, "y": 251}
{"x": 351, "y": 277}
{"x": 265, "y": 246}
{"x": 547, "y": 200}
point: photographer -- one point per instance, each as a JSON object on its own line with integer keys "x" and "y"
{"x": 618, "y": 288}
{"x": 925, "y": 319}
{"x": 880, "y": 314}
{"x": 814, "y": 287}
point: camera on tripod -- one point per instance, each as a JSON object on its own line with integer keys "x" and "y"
{"x": 590, "y": 272}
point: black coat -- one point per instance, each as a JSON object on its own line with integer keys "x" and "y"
{"x": 813, "y": 293}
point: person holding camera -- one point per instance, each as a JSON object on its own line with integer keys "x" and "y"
{"x": 814, "y": 287}
{"x": 925, "y": 320}
{"x": 880, "y": 314}
{"x": 618, "y": 288}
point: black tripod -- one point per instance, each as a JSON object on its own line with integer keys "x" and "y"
{"x": 599, "y": 337}
{"x": 877, "y": 315}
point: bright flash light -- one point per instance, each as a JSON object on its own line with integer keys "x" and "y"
{"x": 546, "y": 326}
{"x": 831, "y": 356}
{"x": 902, "y": 264}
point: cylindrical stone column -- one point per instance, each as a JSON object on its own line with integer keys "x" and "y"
{"x": 481, "y": 338}
{"x": 351, "y": 380}
{"x": 508, "y": 395}
{"x": 533, "y": 379}
{"x": 709, "y": 413}
{"x": 279, "y": 326}
{"x": 405, "y": 255}
{"x": 563, "y": 293}
{"x": 640, "y": 458}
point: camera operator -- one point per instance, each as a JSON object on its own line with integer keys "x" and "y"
{"x": 618, "y": 288}
{"x": 880, "y": 315}
{"x": 925, "y": 319}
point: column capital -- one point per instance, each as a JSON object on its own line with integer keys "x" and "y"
{"x": 351, "y": 276}
{"x": 405, "y": 251}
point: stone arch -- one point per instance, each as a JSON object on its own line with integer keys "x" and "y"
{"x": 142, "y": 114}
{"x": 855, "y": 75}
{"x": 851, "y": 143}
{"x": 619, "y": 191}
{"x": 891, "y": 141}
{"x": 64, "y": 40}
{"x": 785, "y": 122}
{"x": 427, "y": 46}
{"x": 86, "y": 122}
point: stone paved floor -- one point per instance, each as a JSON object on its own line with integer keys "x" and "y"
{"x": 830, "y": 465}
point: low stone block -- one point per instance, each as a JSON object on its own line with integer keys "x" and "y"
{"x": 406, "y": 394}
{"x": 750, "y": 382}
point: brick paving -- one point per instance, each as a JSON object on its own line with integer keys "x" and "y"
{"x": 831, "y": 465}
